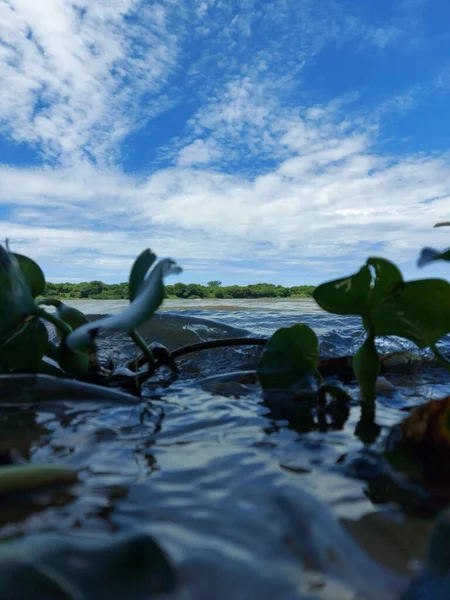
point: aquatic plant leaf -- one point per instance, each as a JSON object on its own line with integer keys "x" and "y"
{"x": 23, "y": 351}
{"x": 138, "y": 312}
{"x": 355, "y": 295}
{"x": 81, "y": 364}
{"x": 33, "y": 274}
{"x": 347, "y": 296}
{"x": 388, "y": 281}
{"x": 16, "y": 301}
{"x": 23, "y": 478}
{"x": 290, "y": 356}
{"x": 37, "y": 388}
{"x": 366, "y": 365}
{"x": 421, "y": 313}
{"x": 72, "y": 316}
{"x": 429, "y": 255}
{"x": 138, "y": 272}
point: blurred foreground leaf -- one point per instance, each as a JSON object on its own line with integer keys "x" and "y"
{"x": 16, "y": 300}
{"x": 421, "y": 313}
{"x": 24, "y": 350}
{"x": 290, "y": 356}
{"x": 430, "y": 255}
{"x": 24, "y": 478}
{"x": 32, "y": 273}
{"x": 138, "y": 312}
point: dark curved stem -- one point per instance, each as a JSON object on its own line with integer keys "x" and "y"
{"x": 147, "y": 353}
{"x": 49, "y": 302}
{"x": 64, "y": 327}
{"x": 217, "y": 344}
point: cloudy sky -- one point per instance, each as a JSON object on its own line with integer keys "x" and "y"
{"x": 252, "y": 140}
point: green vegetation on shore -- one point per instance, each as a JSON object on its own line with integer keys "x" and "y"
{"x": 97, "y": 290}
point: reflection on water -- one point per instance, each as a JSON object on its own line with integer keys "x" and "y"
{"x": 218, "y": 477}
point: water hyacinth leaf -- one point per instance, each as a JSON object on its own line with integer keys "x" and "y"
{"x": 421, "y": 313}
{"x": 388, "y": 280}
{"x": 33, "y": 274}
{"x": 290, "y": 356}
{"x": 347, "y": 296}
{"x": 366, "y": 365}
{"x": 21, "y": 478}
{"x": 138, "y": 312}
{"x": 45, "y": 388}
{"x": 138, "y": 272}
{"x": 72, "y": 316}
{"x": 25, "y": 349}
{"x": 429, "y": 255}
{"x": 16, "y": 301}
{"x": 82, "y": 364}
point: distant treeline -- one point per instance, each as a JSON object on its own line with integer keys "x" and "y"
{"x": 98, "y": 290}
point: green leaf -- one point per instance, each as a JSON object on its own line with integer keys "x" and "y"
{"x": 430, "y": 255}
{"x": 421, "y": 313}
{"x": 24, "y": 350}
{"x": 82, "y": 364}
{"x": 388, "y": 281}
{"x": 347, "y": 296}
{"x": 357, "y": 294}
{"x": 16, "y": 301}
{"x": 366, "y": 366}
{"x": 22, "y": 478}
{"x": 290, "y": 356}
{"x": 138, "y": 272}
{"x": 72, "y": 316}
{"x": 33, "y": 274}
{"x": 138, "y": 312}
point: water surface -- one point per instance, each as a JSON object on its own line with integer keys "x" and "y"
{"x": 212, "y": 474}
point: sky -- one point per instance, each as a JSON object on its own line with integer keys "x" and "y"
{"x": 279, "y": 141}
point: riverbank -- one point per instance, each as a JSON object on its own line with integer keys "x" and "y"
{"x": 97, "y": 290}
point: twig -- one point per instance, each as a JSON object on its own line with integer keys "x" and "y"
{"x": 218, "y": 344}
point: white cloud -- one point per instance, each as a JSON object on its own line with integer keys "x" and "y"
{"x": 198, "y": 152}
{"x": 332, "y": 197}
{"x": 65, "y": 68}
{"x": 259, "y": 175}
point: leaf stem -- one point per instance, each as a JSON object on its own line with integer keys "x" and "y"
{"x": 49, "y": 302}
{"x": 58, "y": 323}
{"x": 141, "y": 343}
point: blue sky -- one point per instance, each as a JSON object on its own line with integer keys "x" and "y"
{"x": 251, "y": 140}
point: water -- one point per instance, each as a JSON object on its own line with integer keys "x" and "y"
{"x": 221, "y": 482}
